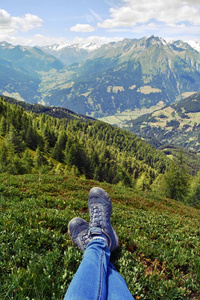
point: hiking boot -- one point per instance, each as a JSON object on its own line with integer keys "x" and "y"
{"x": 78, "y": 231}
{"x": 100, "y": 208}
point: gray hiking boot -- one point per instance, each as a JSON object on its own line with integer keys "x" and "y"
{"x": 78, "y": 231}
{"x": 100, "y": 208}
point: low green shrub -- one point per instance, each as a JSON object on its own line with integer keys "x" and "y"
{"x": 159, "y": 238}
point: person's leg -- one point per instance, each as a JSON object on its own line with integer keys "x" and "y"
{"x": 90, "y": 280}
{"x": 100, "y": 209}
{"x": 117, "y": 288}
{"x": 96, "y": 277}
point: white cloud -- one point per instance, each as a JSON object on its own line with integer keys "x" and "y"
{"x": 11, "y": 25}
{"x": 7, "y": 26}
{"x": 82, "y": 28}
{"x": 134, "y": 12}
{"x": 28, "y": 22}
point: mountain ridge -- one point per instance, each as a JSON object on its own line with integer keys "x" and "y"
{"x": 53, "y": 111}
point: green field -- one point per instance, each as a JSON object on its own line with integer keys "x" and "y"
{"x": 128, "y": 115}
{"x": 159, "y": 252}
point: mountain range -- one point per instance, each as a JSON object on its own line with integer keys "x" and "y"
{"x": 69, "y": 54}
{"x": 56, "y": 49}
{"x": 116, "y": 77}
{"x": 128, "y": 75}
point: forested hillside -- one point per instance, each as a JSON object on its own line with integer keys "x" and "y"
{"x": 39, "y": 143}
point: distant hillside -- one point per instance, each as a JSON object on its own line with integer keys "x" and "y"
{"x": 19, "y": 71}
{"x": 18, "y": 83}
{"x": 190, "y": 158}
{"x": 29, "y": 60}
{"x": 177, "y": 124}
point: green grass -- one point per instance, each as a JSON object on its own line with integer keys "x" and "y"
{"x": 128, "y": 115}
{"x": 159, "y": 239}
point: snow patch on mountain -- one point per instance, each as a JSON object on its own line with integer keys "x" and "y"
{"x": 195, "y": 45}
{"x": 87, "y": 46}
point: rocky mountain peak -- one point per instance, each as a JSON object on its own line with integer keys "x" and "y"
{"x": 154, "y": 40}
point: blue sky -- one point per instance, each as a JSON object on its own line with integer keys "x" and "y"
{"x": 44, "y": 22}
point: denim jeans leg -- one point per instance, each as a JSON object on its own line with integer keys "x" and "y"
{"x": 90, "y": 280}
{"x": 117, "y": 287}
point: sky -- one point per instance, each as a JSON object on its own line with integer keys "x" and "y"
{"x": 46, "y": 22}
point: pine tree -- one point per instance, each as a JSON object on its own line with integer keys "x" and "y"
{"x": 76, "y": 156}
{"x": 176, "y": 181}
{"x": 194, "y": 195}
{"x": 3, "y": 126}
{"x": 62, "y": 139}
{"x": 27, "y": 161}
{"x": 16, "y": 166}
{"x": 31, "y": 137}
{"x": 46, "y": 138}
{"x": 144, "y": 181}
{"x": 40, "y": 160}
{"x": 57, "y": 152}
{"x": 3, "y": 159}
{"x": 14, "y": 140}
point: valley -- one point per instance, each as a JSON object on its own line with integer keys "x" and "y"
{"x": 121, "y": 119}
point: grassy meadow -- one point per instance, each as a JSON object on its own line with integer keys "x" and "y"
{"x": 159, "y": 252}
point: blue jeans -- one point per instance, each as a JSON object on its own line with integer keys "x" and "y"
{"x": 96, "y": 278}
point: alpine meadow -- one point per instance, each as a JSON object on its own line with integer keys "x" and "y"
{"x": 124, "y": 116}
